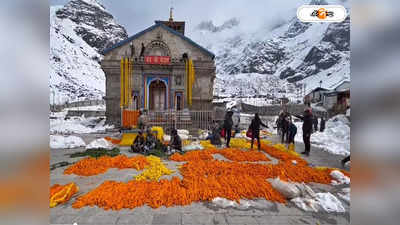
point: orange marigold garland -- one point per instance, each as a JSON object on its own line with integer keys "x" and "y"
{"x": 205, "y": 179}
{"x": 62, "y": 193}
{"x": 92, "y": 166}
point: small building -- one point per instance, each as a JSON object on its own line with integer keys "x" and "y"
{"x": 158, "y": 77}
{"x": 338, "y": 99}
{"x": 315, "y": 95}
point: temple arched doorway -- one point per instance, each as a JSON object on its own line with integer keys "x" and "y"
{"x": 157, "y": 95}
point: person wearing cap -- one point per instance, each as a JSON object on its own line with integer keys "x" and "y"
{"x": 307, "y": 129}
{"x": 228, "y": 123}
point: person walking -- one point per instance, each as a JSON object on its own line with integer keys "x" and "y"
{"x": 307, "y": 129}
{"x": 315, "y": 123}
{"x": 255, "y": 129}
{"x": 291, "y": 134}
{"x": 228, "y": 123}
{"x": 322, "y": 125}
{"x": 285, "y": 127}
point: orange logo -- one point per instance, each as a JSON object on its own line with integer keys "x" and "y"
{"x": 322, "y": 13}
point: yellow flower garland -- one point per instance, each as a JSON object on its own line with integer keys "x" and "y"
{"x": 155, "y": 170}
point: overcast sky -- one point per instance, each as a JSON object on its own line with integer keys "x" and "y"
{"x": 136, "y": 15}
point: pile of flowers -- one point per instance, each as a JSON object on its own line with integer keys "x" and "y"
{"x": 92, "y": 166}
{"x": 207, "y": 144}
{"x": 194, "y": 155}
{"x": 155, "y": 170}
{"x": 243, "y": 156}
{"x": 205, "y": 178}
{"x": 160, "y": 132}
{"x": 62, "y": 193}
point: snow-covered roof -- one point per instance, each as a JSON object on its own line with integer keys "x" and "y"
{"x": 158, "y": 24}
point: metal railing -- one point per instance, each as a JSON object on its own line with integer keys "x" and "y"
{"x": 188, "y": 120}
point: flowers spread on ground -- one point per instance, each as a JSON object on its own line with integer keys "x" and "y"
{"x": 92, "y": 166}
{"x": 242, "y": 155}
{"x": 155, "y": 170}
{"x": 207, "y": 144}
{"x": 62, "y": 193}
{"x": 205, "y": 178}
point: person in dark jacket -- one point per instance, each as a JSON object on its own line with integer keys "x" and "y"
{"x": 215, "y": 137}
{"x": 322, "y": 125}
{"x": 307, "y": 129}
{"x": 151, "y": 141}
{"x": 138, "y": 143}
{"x": 315, "y": 123}
{"x": 176, "y": 142}
{"x": 255, "y": 129}
{"x": 285, "y": 128}
{"x": 228, "y": 123}
{"x": 292, "y": 133}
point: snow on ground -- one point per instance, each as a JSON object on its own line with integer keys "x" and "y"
{"x": 58, "y": 141}
{"x": 78, "y": 125}
{"x": 335, "y": 139}
{"x": 322, "y": 201}
{"x": 100, "y": 143}
{"x": 339, "y": 177}
{"x": 92, "y": 107}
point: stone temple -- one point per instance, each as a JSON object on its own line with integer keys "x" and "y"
{"x": 158, "y": 77}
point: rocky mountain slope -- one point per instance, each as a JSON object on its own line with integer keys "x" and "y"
{"x": 78, "y": 32}
{"x": 297, "y": 55}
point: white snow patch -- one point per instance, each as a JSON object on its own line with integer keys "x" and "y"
{"x": 100, "y": 143}
{"x": 79, "y": 125}
{"x": 339, "y": 177}
{"x": 58, "y": 141}
{"x": 335, "y": 139}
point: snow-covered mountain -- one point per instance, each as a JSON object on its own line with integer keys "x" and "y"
{"x": 78, "y": 32}
{"x": 290, "y": 54}
{"x": 278, "y": 60}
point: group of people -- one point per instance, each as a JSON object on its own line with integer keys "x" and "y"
{"x": 228, "y": 125}
{"x": 142, "y": 144}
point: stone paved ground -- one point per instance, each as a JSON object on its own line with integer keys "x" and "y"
{"x": 196, "y": 213}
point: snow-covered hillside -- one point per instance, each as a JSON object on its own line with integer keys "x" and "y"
{"x": 78, "y": 31}
{"x": 302, "y": 54}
